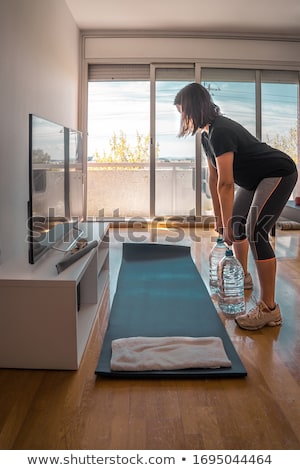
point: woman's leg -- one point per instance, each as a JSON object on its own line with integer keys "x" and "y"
{"x": 266, "y": 270}
{"x": 269, "y": 200}
{"x": 242, "y": 203}
{"x": 241, "y": 249}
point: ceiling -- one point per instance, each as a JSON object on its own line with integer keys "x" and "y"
{"x": 235, "y": 17}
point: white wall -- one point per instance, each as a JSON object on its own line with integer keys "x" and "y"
{"x": 39, "y": 50}
{"x": 203, "y": 50}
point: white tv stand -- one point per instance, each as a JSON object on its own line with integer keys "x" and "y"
{"x": 46, "y": 318}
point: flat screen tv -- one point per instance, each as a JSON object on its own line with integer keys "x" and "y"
{"x": 55, "y": 206}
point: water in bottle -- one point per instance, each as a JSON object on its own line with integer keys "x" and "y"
{"x": 217, "y": 253}
{"x": 231, "y": 297}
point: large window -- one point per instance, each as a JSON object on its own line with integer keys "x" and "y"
{"x": 138, "y": 167}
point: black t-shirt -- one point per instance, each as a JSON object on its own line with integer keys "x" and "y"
{"x": 253, "y": 160}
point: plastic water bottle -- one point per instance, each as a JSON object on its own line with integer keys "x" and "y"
{"x": 217, "y": 253}
{"x": 231, "y": 298}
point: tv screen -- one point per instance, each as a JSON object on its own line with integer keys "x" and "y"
{"x": 75, "y": 174}
{"x": 55, "y": 204}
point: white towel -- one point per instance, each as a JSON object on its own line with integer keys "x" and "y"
{"x": 168, "y": 353}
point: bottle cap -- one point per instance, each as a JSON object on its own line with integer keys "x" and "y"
{"x": 229, "y": 252}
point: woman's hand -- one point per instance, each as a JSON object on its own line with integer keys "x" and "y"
{"x": 218, "y": 225}
{"x": 228, "y": 235}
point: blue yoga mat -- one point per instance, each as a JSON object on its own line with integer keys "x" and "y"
{"x": 161, "y": 293}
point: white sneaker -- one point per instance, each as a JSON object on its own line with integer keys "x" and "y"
{"x": 260, "y": 316}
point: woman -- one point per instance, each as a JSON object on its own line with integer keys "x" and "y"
{"x": 265, "y": 178}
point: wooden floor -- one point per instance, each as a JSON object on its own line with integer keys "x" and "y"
{"x": 78, "y": 410}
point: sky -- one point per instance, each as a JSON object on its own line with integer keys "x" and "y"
{"x": 125, "y": 106}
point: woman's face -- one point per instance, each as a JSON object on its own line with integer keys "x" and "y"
{"x": 179, "y": 108}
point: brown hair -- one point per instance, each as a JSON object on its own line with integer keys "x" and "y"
{"x": 198, "y": 109}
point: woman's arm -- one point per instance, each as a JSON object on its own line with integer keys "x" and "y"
{"x": 212, "y": 183}
{"x": 225, "y": 190}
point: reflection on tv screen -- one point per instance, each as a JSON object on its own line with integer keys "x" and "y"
{"x": 56, "y": 185}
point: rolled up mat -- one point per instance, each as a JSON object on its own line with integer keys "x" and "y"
{"x": 71, "y": 258}
{"x": 288, "y": 225}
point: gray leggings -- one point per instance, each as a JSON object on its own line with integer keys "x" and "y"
{"x": 255, "y": 212}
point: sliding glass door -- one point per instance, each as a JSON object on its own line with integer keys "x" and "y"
{"x": 175, "y": 158}
{"x": 234, "y": 91}
{"x": 279, "y": 92}
{"x": 123, "y": 145}
{"x": 118, "y": 182}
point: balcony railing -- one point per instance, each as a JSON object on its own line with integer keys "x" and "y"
{"x": 124, "y": 188}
